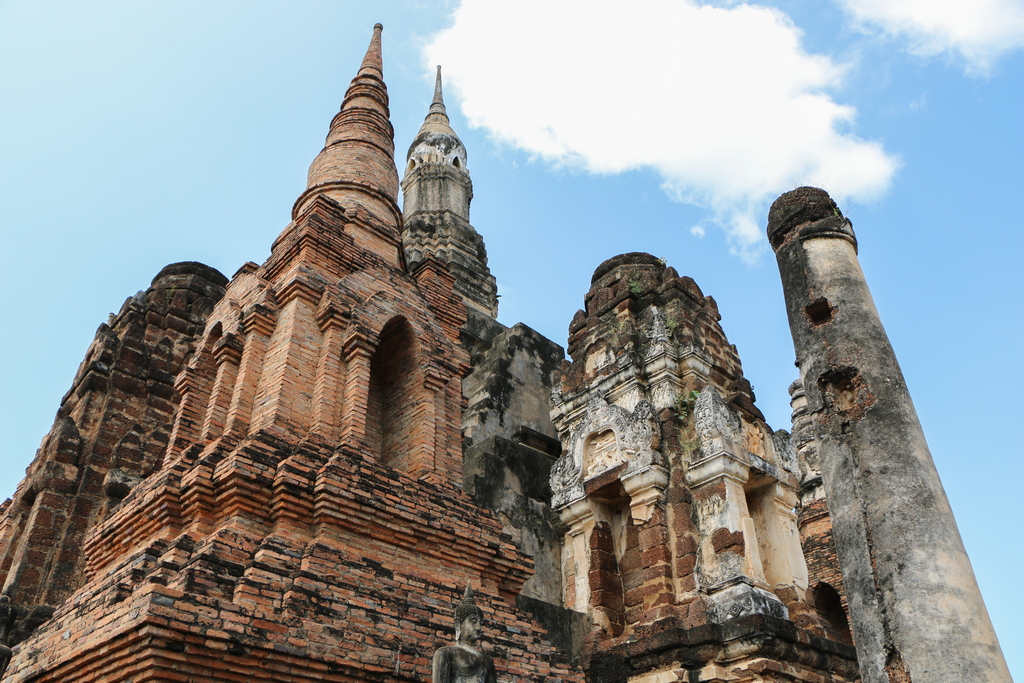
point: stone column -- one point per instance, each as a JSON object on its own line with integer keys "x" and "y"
{"x": 916, "y": 609}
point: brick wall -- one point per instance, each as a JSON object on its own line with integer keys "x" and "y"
{"x": 110, "y": 432}
{"x": 350, "y": 570}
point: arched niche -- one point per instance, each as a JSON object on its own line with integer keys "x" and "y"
{"x": 396, "y": 389}
{"x": 830, "y": 607}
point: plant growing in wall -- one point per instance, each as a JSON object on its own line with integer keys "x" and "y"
{"x": 684, "y": 404}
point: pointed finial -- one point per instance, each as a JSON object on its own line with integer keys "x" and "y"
{"x": 373, "y": 59}
{"x": 437, "y": 113}
{"x": 437, "y": 105}
{"x": 437, "y": 123}
{"x": 362, "y": 124}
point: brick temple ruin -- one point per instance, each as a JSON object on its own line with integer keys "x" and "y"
{"x": 293, "y": 474}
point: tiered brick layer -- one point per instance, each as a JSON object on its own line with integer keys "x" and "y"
{"x": 348, "y": 573}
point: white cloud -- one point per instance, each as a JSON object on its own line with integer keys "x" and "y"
{"x": 979, "y": 30}
{"x": 723, "y": 102}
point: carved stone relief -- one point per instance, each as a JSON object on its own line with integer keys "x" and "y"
{"x": 722, "y": 430}
{"x": 606, "y": 437}
{"x": 742, "y": 599}
{"x": 717, "y": 426}
{"x": 785, "y": 451}
{"x": 600, "y": 454}
{"x": 753, "y": 439}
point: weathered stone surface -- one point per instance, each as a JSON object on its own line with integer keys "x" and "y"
{"x": 566, "y": 628}
{"x": 915, "y": 607}
{"x": 678, "y": 500}
{"x": 511, "y": 479}
{"x": 510, "y": 386}
{"x": 510, "y": 445}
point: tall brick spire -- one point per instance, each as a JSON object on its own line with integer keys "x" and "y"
{"x": 356, "y": 166}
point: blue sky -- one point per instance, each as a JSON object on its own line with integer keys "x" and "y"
{"x": 139, "y": 134}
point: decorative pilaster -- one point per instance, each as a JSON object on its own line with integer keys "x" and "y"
{"x": 258, "y": 322}
{"x": 330, "y": 375}
{"x": 227, "y": 353}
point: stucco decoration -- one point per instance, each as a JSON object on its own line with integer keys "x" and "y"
{"x": 654, "y": 327}
{"x": 722, "y": 431}
{"x": 785, "y": 451}
{"x": 633, "y": 434}
{"x": 658, "y": 330}
{"x": 601, "y": 453}
{"x": 740, "y": 600}
{"x": 718, "y": 427}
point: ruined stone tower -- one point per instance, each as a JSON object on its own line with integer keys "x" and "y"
{"x": 911, "y": 590}
{"x": 292, "y": 475}
{"x": 678, "y": 500}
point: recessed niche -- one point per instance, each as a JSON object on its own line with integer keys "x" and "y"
{"x": 840, "y": 387}
{"x": 819, "y": 312}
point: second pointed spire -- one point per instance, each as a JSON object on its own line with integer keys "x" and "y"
{"x": 436, "y": 134}
{"x": 437, "y": 109}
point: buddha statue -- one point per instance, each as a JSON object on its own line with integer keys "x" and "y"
{"x": 463, "y": 662}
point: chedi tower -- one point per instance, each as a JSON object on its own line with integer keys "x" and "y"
{"x": 293, "y": 475}
{"x": 438, "y": 191}
{"x": 293, "y": 509}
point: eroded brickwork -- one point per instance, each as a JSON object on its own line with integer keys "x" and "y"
{"x": 308, "y": 520}
{"x": 357, "y": 582}
{"x": 111, "y": 430}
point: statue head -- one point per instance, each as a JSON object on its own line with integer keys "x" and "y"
{"x": 468, "y": 619}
